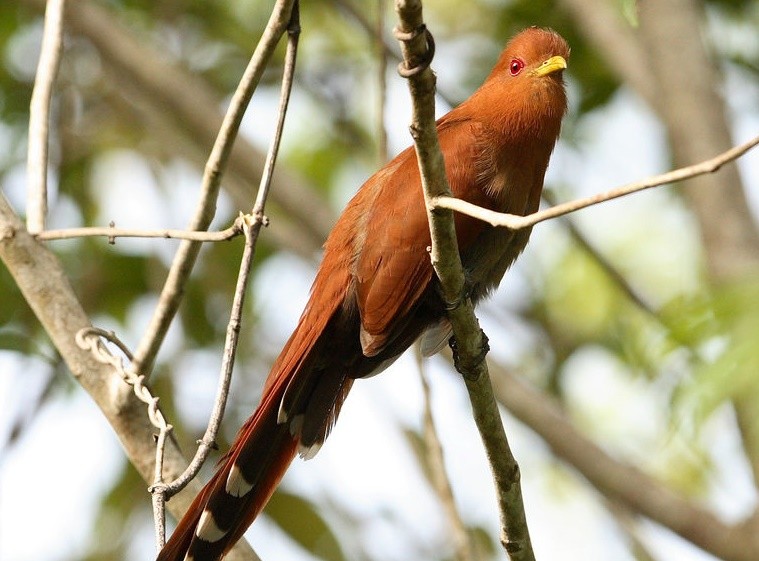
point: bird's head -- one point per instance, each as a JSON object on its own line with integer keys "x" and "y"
{"x": 533, "y": 55}
{"x": 525, "y": 91}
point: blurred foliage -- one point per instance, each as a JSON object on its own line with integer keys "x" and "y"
{"x": 698, "y": 349}
{"x": 301, "y": 520}
{"x": 723, "y": 328}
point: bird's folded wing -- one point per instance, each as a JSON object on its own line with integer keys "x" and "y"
{"x": 394, "y": 268}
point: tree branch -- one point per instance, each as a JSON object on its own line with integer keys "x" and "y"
{"x": 173, "y": 290}
{"x": 470, "y": 340}
{"x": 251, "y": 225}
{"x": 45, "y": 287}
{"x": 39, "y": 116}
{"x": 516, "y": 222}
{"x": 112, "y": 233}
{"x": 160, "y": 491}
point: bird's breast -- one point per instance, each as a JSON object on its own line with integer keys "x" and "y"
{"x": 488, "y": 258}
{"x": 513, "y": 181}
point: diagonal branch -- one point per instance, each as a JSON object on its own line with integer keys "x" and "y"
{"x": 251, "y": 225}
{"x": 173, "y": 291}
{"x": 46, "y": 288}
{"x": 515, "y": 222}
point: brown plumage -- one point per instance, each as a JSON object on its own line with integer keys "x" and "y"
{"x": 375, "y": 292}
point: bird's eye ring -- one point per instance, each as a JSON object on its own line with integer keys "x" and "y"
{"x": 515, "y": 66}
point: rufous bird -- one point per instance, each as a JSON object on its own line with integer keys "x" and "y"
{"x": 376, "y": 292}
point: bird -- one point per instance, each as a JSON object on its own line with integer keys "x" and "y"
{"x": 376, "y": 293}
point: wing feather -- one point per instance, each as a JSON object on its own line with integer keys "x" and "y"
{"x": 394, "y": 270}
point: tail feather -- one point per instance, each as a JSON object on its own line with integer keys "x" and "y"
{"x": 265, "y": 445}
{"x": 243, "y": 484}
{"x": 237, "y": 493}
{"x": 177, "y": 546}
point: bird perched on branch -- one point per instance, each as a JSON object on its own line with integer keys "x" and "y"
{"x": 375, "y": 292}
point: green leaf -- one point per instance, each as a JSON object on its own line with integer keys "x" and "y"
{"x": 730, "y": 357}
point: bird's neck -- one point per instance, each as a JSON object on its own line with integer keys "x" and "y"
{"x": 525, "y": 115}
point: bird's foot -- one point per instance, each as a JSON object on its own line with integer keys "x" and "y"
{"x": 467, "y": 366}
{"x": 464, "y": 294}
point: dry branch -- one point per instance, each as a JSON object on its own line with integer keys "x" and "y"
{"x": 516, "y": 222}
{"x": 46, "y": 288}
{"x": 39, "y": 116}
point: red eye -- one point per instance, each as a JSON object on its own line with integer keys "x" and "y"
{"x": 516, "y": 65}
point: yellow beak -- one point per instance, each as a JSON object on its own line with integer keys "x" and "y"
{"x": 553, "y": 64}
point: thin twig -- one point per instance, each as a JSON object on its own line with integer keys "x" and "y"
{"x": 386, "y": 43}
{"x": 514, "y": 222}
{"x": 89, "y": 338}
{"x": 208, "y": 442}
{"x": 39, "y": 116}
{"x": 293, "y": 35}
{"x": 158, "y": 500}
{"x": 440, "y": 481}
{"x": 471, "y": 341}
{"x": 173, "y": 290}
{"x": 629, "y": 291}
{"x": 113, "y": 233}
{"x": 612, "y": 272}
{"x": 251, "y": 225}
{"x": 159, "y": 503}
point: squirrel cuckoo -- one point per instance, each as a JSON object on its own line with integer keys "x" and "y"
{"x": 375, "y": 292}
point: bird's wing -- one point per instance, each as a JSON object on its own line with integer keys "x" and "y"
{"x": 393, "y": 269}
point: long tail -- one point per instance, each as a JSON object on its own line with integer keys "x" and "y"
{"x": 246, "y": 479}
{"x": 300, "y": 401}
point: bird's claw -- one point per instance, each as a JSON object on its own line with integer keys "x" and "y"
{"x": 468, "y": 368}
{"x": 466, "y": 292}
